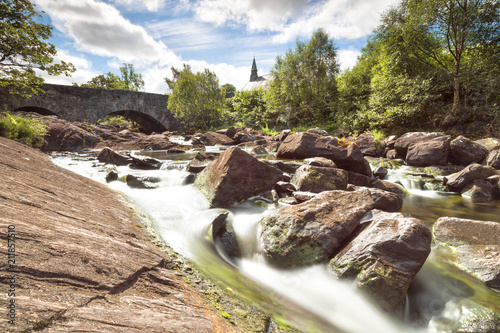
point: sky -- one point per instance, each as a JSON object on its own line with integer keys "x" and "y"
{"x": 99, "y": 36}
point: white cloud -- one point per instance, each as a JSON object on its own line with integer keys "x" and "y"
{"x": 83, "y": 72}
{"x": 100, "y": 29}
{"x": 348, "y": 58}
{"x": 150, "y": 5}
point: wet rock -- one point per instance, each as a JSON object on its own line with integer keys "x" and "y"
{"x": 457, "y": 181}
{"x": 380, "y": 172}
{"x": 464, "y": 151}
{"x": 258, "y": 150}
{"x": 476, "y": 246}
{"x": 359, "y": 179}
{"x": 384, "y": 257}
{"x": 284, "y": 189}
{"x": 146, "y": 163}
{"x": 366, "y": 144}
{"x": 66, "y": 136}
{"x": 393, "y": 154}
{"x": 429, "y": 152}
{"x": 478, "y": 189}
{"x": 403, "y": 142}
{"x": 235, "y": 176}
{"x": 318, "y": 179}
{"x": 322, "y": 162}
{"x": 472, "y": 318}
{"x": 391, "y": 187}
{"x": 444, "y": 170}
{"x": 111, "y": 174}
{"x": 107, "y": 155}
{"x": 224, "y": 236}
{"x": 493, "y": 159}
{"x": 200, "y": 161}
{"x": 142, "y": 182}
{"x": 495, "y": 183}
{"x": 313, "y": 231}
{"x": 214, "y": 138}
{"x": 346, "y": 155}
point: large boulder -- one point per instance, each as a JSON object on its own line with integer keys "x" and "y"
{"x": 391, "y": 187}
{"x": 493, "y": 159}
{"x": 475, "y": 246}
{"x": 457, "y": 181}
{"x": 214, "y": 138}
{"x": 346, "y": 155}
{"x": 464, "y": 151}
{"x": 235, "y": 176}
{"x": 384, "y": 257}
{"x": 107, "y": 155}
{"x": 430, "y": 152}
{"x": 478, "y": 189}
{"x": 495, "y": 183}
{"x": 66, "y": 136}
{"x": 403, "y": 142}
{"x": 366, "y": 144}
{"x": 314, "y": 230}
{"x": 318, "y": 179}
{"x": 145, "y": 162}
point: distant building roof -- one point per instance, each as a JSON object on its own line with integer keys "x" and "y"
{"x": 261, "y": 82}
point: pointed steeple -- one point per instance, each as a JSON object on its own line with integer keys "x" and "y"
{"x": 254, "y": 75}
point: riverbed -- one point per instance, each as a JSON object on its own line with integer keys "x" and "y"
{"x": 309, "y": 298}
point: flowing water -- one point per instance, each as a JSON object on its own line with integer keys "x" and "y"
{"x": 309, "y": 298}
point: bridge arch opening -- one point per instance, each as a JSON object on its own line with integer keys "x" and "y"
{"x": 147, "y": 123}
{"x": 36, "y": 109}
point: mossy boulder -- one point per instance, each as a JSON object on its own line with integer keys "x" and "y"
{"x": 475, "y": 245}
{"x": 318, "y": 179}
{"x": 384, "y": 257}
{"x": 311, "y": 232}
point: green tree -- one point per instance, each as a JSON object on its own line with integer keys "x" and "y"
{"x": 304, "y": 81}
{"x": 250, "y": 108}
{"x": 196, "y": 98}
{"x": 448, "y": 36}
{"x": 129, "y": 80}
{"x": 230, "y": 89}
{"x": 24, "y": 48}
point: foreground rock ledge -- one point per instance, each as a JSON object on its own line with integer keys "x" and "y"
{"x": 81, "y": 263}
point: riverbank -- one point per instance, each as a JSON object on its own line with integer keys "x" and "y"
{"x": 77, "y": 258}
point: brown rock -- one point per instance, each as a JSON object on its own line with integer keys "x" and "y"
{"x": 403, "y": 142}
{"x": 464, "y": 151}
{"x": 322, "y": 162}
{"x": 384, "y": 257}
{"x": 476, "y": 246}
{"x": 489, "y": 143}
{"x": 312, "y": 231}
{"x": 235, "y": 176}
{"x": 346, "y": 155}
{"x": 66, "y": 136}
{"x": 81, "y": 262}
{"x": 478, "y": 189}
{"x": 213, "y": 138}
{"x": 493, "y": 159}
{"x": 366, "y": 144}
{"x": 391, "y": 187}
{"x": 430, "y": 152}
{"x": 359, "y": 179}
{"x": 107, "y": 155}
{"x": 200, "y": 162}
{"x": 457, "y": 181}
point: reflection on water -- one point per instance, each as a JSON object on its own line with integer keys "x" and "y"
{"x": 309, "y": 298}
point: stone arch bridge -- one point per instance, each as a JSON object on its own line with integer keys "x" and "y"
{"x": 90, "y": 104}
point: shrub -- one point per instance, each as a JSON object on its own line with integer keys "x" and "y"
{"x": 23, "y": 128}
{"x": 118, "y": 121}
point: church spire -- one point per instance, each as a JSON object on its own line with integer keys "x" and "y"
{"x": 254, "y": 75}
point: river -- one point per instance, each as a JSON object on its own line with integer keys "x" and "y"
{"x": 309, "y": 298}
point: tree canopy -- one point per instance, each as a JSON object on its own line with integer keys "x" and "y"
{"x": 304, "y": 81}
{"x": 24, "y": 48}
{"x": 196, "y": 98}
{"x": 129, "y": 80}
